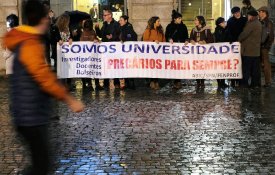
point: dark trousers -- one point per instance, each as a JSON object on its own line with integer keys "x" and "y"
{"x": 36, "y": 138}
{"x": 86, "y": 81}
{"x": 200, "y": 81}
{"x": 130, "y": 83}
{"x": 251, "y": 69}
{"x": 221, "y": 82}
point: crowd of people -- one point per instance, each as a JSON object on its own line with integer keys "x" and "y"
{"x": 32, "y": 82}
{"x": 251, "y": 27}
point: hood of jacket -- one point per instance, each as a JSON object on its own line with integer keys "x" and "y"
{"x": 19, "y": 34}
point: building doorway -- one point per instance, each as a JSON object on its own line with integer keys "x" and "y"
{"x": 95, "y": 8}
{"x": 210, "y": 9}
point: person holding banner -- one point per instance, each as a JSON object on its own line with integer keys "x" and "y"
{"x": 221, "y": 35}
{"x": 89, "y": 34}
{"x": 32, "y": 85}
{"x": 201, "y": 34}
{"x": 109, "y": 33}
{"x": 250, "y": 40}
{"x": 127, "y": 33}
{"x": 235, "y": 26}
{"x": 176, "y": 32}
{"x": 154, "y": 32}
{"x": 61, "y": 33}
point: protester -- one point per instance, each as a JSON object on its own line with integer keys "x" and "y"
{"x": 32, "y": 84}
{"x": 127, "y": 33}
{"x": 12, "y": 21}
{"x": 221, "y": 35}
{"x": 247, "y": 7}
{"x": 89, "y": 34}
{"x": 154, "y": 32}
{"x": 47, "y": 36}
{"x": 176, "y": 32}
{"x": 61, "y": 33}
{"x": 250, "y": 40}
{"x": 109, "y": 33}
{"x": 201, "y": 34}
{"x": 235, "y": 26}
{"x": 267, "y": 40}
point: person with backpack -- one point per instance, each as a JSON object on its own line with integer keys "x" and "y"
{"x": 109, "y": 33}
{"x": 201, "y": 34}
{"x": 176, "y": 32}
{"x": 250, "y": 40}
{"x": 127, "y": 33}
{"x": 267, "y": 40}
{"x": 221, "y": 35}
{"x": 154, "y": 33}
{"x": 235, "y": 26}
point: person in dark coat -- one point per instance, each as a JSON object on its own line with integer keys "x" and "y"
{"x": 221, "y": 35}
{"x": 250, "y": 40}
{"x": 247, "y": 7}
{"x": 32, "y": 85}
{"x": 109, "y": 32}
{"x": 176, "y": 32}
{"x": 127, "y": 33}
{"x": 235, "y": 26}
{"x": 266, "y": 43}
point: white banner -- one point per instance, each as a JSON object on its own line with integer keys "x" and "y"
{"x": 149, "y": 60}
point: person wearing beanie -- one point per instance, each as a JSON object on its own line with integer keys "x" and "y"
{"x": 247, "y": 7}
{"x": 176, "y": 32}
{"x": 250, "y": 40}
{"x": 235, "y": 26}
{"x": 267, "y": 40}
{"x": 220, "y": 36}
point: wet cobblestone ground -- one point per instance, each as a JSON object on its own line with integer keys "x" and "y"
{"x": 163, "y": 132}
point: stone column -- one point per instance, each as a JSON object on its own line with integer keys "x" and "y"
{"x": 7, "y": 7}
{"x": 60, "y": 6}
{"x": 141, "y": 10}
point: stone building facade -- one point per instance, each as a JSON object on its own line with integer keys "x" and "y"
{"x": 139, "y": 11}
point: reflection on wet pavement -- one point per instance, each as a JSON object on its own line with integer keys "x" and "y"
{"x": 164, "y": 132}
